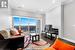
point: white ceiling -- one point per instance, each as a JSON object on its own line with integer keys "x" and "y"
{"x": 34, "y": 5}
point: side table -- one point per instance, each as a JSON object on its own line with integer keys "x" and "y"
{"x": 35, "y": 37}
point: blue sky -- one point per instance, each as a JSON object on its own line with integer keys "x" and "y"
{"x": 24, "y": 21}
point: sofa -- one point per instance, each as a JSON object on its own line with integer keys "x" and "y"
{"x": 60, "y": 45}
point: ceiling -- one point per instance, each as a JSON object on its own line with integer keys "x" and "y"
{"x": 34, "y": 5}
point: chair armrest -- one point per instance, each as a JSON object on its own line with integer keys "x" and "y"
{"x": 50, "y": 48}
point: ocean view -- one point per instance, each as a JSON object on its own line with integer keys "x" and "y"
{"x": 32, "y": 29}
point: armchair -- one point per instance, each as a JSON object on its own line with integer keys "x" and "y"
{"x": 60, "y": 45}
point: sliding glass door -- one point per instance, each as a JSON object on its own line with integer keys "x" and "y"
{"x": 31, "y": 25}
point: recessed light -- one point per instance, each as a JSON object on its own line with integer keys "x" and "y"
{"x": 41, "y": 9}
{"x": 23, "y": 6}
{"x": 53, "y": 1}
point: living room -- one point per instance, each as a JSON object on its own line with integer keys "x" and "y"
{"x": 31, "y": 17}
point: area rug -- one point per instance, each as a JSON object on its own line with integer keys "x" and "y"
{"x": 36, "y": 47}
{"x": 40, "y": 43}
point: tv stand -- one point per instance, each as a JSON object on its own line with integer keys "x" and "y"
{"x": 50, "y": 34}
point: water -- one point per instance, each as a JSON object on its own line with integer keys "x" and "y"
{"x": 32, "y": 29}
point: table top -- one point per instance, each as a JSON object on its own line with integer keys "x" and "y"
{"x": 34, "y": 34}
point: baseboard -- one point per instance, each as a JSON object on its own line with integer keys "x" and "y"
{"x": 68, "y": 39}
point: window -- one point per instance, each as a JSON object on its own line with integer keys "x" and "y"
{"x": 26, "y": 24}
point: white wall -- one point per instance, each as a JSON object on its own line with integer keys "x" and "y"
{"x": 5, "y": 18}
{"x": 69, "y": 21}
{"x": 54, "y": 18}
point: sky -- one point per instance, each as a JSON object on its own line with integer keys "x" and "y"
{"x": 23, "y": 21}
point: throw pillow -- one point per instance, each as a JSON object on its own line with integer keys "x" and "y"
{"x": 14, "y": 31}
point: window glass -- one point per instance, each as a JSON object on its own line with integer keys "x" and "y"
{"x": 32, "y": 25}
{"x": 16, "y": 22}
{"x": 24, "y": 24}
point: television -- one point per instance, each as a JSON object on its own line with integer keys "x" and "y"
{"x": 48, "y": 28}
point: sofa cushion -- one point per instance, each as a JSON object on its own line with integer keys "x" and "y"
{"x": 4, "y": 33}
{"x": 60, "y": 45}
{"x": 50, "y": 48}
